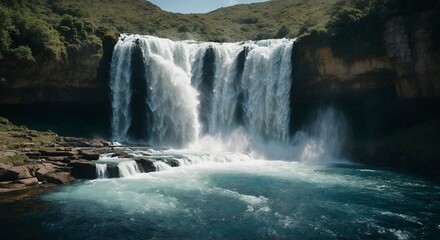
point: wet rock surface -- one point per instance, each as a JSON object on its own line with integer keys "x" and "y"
{"x": 30, "y": 159}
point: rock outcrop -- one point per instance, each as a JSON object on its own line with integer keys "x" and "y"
{"x": 410, "y": 67}
{"x": 80, "y": 77}
{"x": 29, "y": 157}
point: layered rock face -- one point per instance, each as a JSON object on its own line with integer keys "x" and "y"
{"x": 49, "y": 80}
{"x": 415, "y": 62}
{"x": 410, "y": 67}
{"x": 80, "y": 77}
{"x": 391, "y": 101}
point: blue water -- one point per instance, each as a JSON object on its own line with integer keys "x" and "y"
{"x": 240, "y": 200}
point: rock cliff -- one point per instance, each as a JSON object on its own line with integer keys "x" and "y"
{"x": 81, "y": 77}
{"x": 391, "y": 100}
{"x": 410, "y": 67}
{"x": 380, "y": 94}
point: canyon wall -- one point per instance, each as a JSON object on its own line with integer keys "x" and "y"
{"x": 391, "y": 100}
{"x": 80, "y": 77}
{"x": 410, "y": 68}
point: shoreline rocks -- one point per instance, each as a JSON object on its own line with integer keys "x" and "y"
{"x": 29, "y": 158}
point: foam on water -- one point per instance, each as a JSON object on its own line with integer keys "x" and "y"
{"x": 287, "y": 199}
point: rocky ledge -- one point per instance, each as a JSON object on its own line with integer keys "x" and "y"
{"x": 30, "y": 158}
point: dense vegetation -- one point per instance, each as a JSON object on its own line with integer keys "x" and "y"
{"x": 357, "y": 29}
{"x": 30, "y": 28}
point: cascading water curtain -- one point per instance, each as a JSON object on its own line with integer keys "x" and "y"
{"x": 208, "y": 88}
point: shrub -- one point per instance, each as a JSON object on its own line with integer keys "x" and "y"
{"x": 38, "y": 35}
{"x": 5, "y": 27}
{"x": 22, "y": 53}
{"x": 362, "y": 24}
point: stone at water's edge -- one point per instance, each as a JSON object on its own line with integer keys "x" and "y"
{"x": 89, "y": 154}
{"x": 28, "y": 157}
{"x": 59, "y": 178}
{"x": 145, "y": 164}
{"x": 29, "y": 181}
{"x": 83, "y": 169}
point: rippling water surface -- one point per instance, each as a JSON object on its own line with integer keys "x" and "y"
{"x": 242, "y": 199}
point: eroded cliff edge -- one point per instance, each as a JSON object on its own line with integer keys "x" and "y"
{"x": 391, "y": 100}
{"x": 80, "y": 77}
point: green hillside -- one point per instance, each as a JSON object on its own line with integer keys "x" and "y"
{"x": 241, "y": 22}
{"x": 59, "y": 27}
{"x": 35, "y": 28}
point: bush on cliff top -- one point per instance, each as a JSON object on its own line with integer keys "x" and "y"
{"x": 63, "y": 27}
{"x": 357, "y": 29}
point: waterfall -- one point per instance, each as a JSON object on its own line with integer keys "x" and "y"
{"x": 120, "y": 91}
{"x": 128, "y": 168}
{"x": 114, "y": 167}
{"x": 161, "y": 166}
{"x": 195, "y": 89}
{"x": 267, "y": 82}
{"x": 101, "y": 170}
{"x": 172, "y": 101}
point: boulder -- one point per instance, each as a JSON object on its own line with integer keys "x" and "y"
{"x": 83, "y": 169}
{"x": 27, "y": 171}
{"x": 121, "y": 154}
{"x": 44, "y": 169}
{"x": 89, "y": 154}
{"x": 52, "y": 173}
{"x": 6, "y": 174}
{"x": 145, "y": 164}
{"x": 28, "y": 181}
{"x": 59, "y": 178}
{"x": 172, "y": 162}
{"x": 113, "y": 171}
{"x": 11, "y": 173}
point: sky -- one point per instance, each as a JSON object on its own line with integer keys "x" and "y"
{"x": 197, "y": 6}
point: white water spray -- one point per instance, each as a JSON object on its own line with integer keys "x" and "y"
{"x": 324, "y": 140}
{"x": 120, "y": 88}
{"x": 174, "y": 72}
{"x": 101, "y": 170}
{"x": 128, "y": 168}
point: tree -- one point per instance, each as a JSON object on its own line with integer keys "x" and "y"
{"x": 5, "y": 27}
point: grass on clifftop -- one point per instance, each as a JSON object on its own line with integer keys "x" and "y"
{"x": 30, "y": 28}
{"x": 276, "y": 18}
